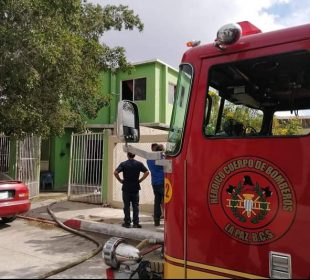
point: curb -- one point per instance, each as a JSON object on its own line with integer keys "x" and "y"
{"x": 114, "y": 230}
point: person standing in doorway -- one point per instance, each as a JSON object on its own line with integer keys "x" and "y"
{"x": 131, "y": 170}
{"x": 158, "y": 179}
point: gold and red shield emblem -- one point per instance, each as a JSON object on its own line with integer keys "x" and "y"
{"x": 252, "y": 200}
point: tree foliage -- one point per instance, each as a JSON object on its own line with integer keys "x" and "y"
{"x": 287, "y": 126}
{"x": 50, "y": 60}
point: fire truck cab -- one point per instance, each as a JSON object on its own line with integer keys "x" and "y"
{"x": 238, "y": 158}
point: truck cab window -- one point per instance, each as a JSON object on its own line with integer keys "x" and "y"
{"x": 267, "y": 96}
{"x": 232, "y": 119}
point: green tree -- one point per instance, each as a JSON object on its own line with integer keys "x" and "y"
{"x": 247, "y": 116}
{"x": 50, "y": 60}
{"x": 252, "y": 119}
{"x": 289, "y": 126}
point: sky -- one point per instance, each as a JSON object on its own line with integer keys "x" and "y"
{"x": 170, "y": 24}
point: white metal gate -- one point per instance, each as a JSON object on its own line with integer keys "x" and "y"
{"x": 86, "y": 168}
{"x": 4, "y": 153}
{"x": 28, "y": 154}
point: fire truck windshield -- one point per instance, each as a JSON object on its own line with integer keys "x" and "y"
{"x": 179, "y": 110}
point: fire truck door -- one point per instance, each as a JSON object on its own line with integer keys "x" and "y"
{"x": 241, "y": 191}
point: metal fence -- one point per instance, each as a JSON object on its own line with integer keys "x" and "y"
{"x": 86, "y": 168}
{"x": 28, "y": 163}
{"x": 4, "y": 153}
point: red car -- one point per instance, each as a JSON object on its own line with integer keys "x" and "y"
{"x": 14, "y": 198}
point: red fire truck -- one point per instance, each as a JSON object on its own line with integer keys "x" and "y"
{"x": 237, "y": 159}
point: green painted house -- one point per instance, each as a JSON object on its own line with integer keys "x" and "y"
{"x": 151, "y": 85}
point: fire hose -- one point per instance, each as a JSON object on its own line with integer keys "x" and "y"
{"x": 153, "y": 267}
{"x": 79, "y": 261}
{"x": 126, "y": 261}
{"x": 144, "y": 247}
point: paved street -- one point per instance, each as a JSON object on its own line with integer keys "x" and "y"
{"x": 30, "y": 249}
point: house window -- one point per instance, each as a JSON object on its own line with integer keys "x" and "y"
{"x": 171, "y": 93}
{"x": 134, "y": 90}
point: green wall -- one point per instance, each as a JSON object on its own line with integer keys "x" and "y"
{"x": 107, "y": 83}
{"x": 146, "y": 107}
{"x": 155, "y": 109}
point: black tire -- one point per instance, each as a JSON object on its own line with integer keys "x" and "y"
{"x": 6, "y": 220}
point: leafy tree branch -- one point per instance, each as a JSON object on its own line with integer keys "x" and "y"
{"x": 50, "y": 60}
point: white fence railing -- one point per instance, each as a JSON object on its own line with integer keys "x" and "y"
{"x": 28, "y": 163}
{"x": 4, "y": 153}
{"x": 86, "y": 167}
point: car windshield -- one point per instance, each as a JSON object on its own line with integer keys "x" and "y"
{"x": 4, "y": 177}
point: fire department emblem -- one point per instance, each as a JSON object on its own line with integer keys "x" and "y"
{"x": 252, "y": 200}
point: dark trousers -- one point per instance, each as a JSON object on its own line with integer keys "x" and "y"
{"x": 133, "y": 199}
{"x": 158, "y": 201}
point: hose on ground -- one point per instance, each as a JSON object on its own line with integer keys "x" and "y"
{"x": 79, "y": 261}
{"x": 143, "y": 244}
{"x": 146, "y": 242}
{"x": 147, "y": 268}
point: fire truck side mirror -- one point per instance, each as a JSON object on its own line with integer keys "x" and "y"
{"x": 128, "y": 129}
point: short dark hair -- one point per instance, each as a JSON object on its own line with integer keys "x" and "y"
{"x": 160, "y": 148}
{"x": 130, "y": 155}
{"x": 154, "y": 146}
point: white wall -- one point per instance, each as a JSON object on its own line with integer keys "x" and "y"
{"x": 146, "y": 193}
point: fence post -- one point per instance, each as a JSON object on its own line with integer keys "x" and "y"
{"x": 105, "y": 167}
{"x": 70, "y": 168}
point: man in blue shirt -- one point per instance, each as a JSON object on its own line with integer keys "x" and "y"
{"x": 158, "y": 179}
{"x": 131, "y": 169}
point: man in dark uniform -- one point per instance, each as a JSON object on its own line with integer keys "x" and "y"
{"x": 131, "y": 169}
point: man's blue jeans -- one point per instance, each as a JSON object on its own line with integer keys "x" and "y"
{"x": 133, "y": 199}
{"x": 158, "y": 201}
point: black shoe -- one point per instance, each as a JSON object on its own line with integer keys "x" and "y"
{"x": 125, "y": 225}
{"x": 157, "y": 224}
{"x": 137, "y": 226}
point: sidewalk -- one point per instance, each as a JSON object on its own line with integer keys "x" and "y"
{"x": 93, "y": 218}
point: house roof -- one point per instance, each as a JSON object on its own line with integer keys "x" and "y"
{"x": 155, "y": 60}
